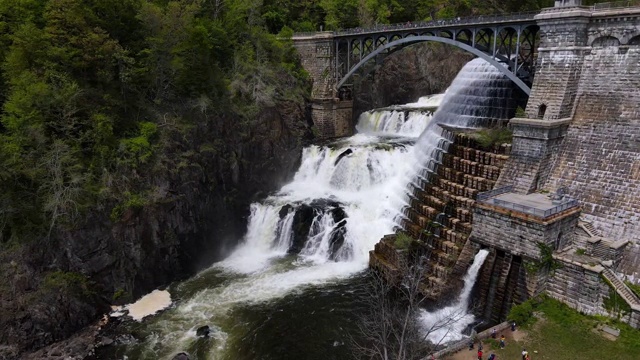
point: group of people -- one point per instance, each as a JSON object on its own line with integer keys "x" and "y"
{"x": 492, "y": 356}
{"x": 494, "y": 335}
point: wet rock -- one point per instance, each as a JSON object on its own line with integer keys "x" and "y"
{"x": 181, "y": 356}
{"x": 337, "y": 236}
{"x": 203, "y": 331}
{"x": 105, "y": 341}
{"x": 301, "y": 226}
{"x": 125, "y": 339}
{"x": 344, "y": 153}
{"x": 285, "y": 210}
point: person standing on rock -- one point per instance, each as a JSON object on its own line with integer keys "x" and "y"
{"x": 513, "y": 326}
{"x": 493, "y": 333}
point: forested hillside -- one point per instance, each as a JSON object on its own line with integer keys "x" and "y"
{"x": 133, "y": 136}
{"x": 88, "y": 85}
{"x": 312, "y": 15}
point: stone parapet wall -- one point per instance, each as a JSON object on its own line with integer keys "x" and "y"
{"x": 621, "y": 24}
{"x": 518, "y": 233}
{"x": 580, "y": 287}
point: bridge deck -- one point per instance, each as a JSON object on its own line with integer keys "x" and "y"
{"x": 473, "y": 22}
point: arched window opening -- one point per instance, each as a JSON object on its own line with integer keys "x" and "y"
{"x": 541, "y": 110}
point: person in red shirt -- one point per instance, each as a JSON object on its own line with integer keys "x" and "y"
{"x": 479, "y": 354}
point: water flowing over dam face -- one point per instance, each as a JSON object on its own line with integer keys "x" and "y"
{"x": 290, "y": 290}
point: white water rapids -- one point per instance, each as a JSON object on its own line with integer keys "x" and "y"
{"x": 367, "y": 183}
{"x": 352, "y": 192}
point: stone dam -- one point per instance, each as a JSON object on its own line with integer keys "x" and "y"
{"x": 558, "y": 206}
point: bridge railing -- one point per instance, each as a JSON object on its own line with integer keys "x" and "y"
{"x": 535, "y": 211}
{"x": 488, "y": 197}
{"x": 495, "y": 192}
{"x": 483, "y": 19}
{"x": 616, "y": 5}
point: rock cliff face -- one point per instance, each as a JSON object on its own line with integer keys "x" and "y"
{"x": 405, "y": 76}
{"x": 203, "y": 181}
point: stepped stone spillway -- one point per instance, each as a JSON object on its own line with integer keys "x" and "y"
{"x": 447, "y": 198}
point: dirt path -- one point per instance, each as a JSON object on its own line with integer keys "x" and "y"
{"x": 466, "y": 354}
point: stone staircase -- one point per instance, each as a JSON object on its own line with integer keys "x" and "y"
{"x": 622, "y": 289}
{"x": 589, "y": 228}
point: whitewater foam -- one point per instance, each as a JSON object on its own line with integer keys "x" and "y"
{"x": 447, "y": 324}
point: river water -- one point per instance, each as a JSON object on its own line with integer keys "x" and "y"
{"x": 294, "y": 287}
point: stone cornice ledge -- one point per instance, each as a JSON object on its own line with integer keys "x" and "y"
{"x": 595, "y": 268}
{"x": 540, "y": 123}
{"x": 561, "y": 13}
{"x": 566, "y": 48}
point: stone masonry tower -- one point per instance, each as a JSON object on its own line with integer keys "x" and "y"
{"x": 331, "y": 116}
{"x": 563, "y": 46}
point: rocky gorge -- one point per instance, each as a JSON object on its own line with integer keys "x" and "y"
{"x": 203, "y": 181}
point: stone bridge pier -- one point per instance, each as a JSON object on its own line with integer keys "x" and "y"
{"x": 331, "y": 114}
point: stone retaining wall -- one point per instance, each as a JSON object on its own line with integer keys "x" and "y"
{"x": 580, "y": 287}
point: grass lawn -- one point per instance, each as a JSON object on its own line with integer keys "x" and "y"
{"x": 561, "y": 333}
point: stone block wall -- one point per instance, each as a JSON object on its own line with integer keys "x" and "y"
{"x": 580, "y": 287}
{"x": 343, "y": 118}
{"x": 563, "y": 40}
{"x": 317, "y": 55}
{"x": 599, "y": 159}
{"x": 535, "y": 146}
{"x": 620, "y": 24}
{"x": 518, "y": 233}
{"x": 332, "y": 118}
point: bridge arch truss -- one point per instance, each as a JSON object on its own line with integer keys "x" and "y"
{"x": 510, "y": 43}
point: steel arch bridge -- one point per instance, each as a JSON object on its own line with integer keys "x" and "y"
{"x": 507, "y": 42}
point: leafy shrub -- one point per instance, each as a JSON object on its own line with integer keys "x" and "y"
{"x": 68, "y": 282}
{"x": 133, "y": 201}
{"x": 634, "y": 287}
{"x": 522, "y": 314}
{"x": 487, "y": 138}
{"x": 403, "y": 241}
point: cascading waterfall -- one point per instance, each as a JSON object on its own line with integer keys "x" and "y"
{"x": 478, "y": 97}
{"x": 319, "y": 228}
{"x": 438, "y": 324}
